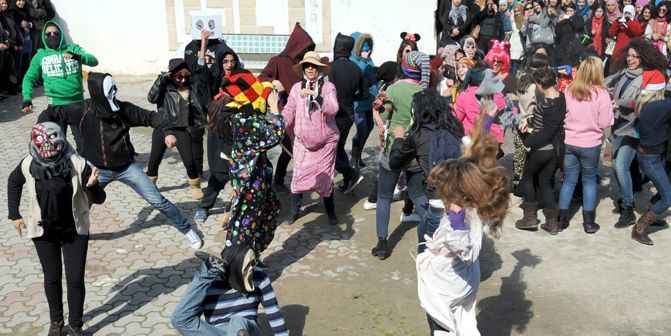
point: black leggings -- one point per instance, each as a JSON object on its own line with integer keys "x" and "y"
{"x": 283, "y": 161}
{"x": 197, "y": 135}
{"x": 539, "y": 169}
{"x": 74, "y": 248}
{"x": 215, "y": 184}
{"x": 184, "y": 147}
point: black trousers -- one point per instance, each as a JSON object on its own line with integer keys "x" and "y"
{"x": 342, "y": 160}
{"x": 73, "y": 248}
{"x": 184, "y": 147}
{"x": 283, "y": 161}
{"x": 197, "y": 136}
{"x": 215, "y": 184}
{"x": 539, "y": 169}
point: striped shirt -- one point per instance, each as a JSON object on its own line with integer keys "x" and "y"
{"x": 223, "y": 302}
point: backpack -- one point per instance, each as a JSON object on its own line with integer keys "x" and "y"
{"x": 444, "y": 146}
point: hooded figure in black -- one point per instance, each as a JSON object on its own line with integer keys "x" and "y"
{"x": 218, "y": 69}
{"x": 105, "y": 123}
{"x": 350, "y": 86}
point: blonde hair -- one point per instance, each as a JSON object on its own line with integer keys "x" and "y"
{"x": 648, "y": 97}
{"x": 483, "y": 147}
{"x": 588, "y": 78}
{"x": 463, "y": 183}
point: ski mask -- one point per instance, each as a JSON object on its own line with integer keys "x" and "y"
{"x": 109, "y": 88}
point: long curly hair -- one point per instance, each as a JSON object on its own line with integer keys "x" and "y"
{"x": 651, "y": 58}
{"x": 464, "y": 183}
{"x": 483, "y": 147}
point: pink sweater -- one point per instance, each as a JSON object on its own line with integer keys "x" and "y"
{"x": 468, "y": 110}
{"x": 585, "y": 121}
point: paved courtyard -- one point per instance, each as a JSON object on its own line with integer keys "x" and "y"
{"x": 326, "y": 280}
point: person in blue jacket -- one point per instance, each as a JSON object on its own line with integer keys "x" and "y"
{"x": 363, "y": 109}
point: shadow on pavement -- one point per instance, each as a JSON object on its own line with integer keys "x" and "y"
{"x": 510, "y": 309}
{"x": 138, "y": 289}
{"x": 294, "y": 316}
{"x": 490, "y": 261}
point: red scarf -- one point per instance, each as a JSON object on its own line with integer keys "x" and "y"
{"x": 659, "y": 29}
{"x": 597, "y": 26}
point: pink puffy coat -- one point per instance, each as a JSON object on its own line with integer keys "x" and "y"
{"x": 468, "y": 109}
{"x": 315, "y": 140}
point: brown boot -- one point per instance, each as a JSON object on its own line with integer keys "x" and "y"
{"x": 530, "y": 219}
{"x": 153, "y": 179}
{"x": 224, "y": 219}
{"x": 640, "y": 231}
{"x": 551, "y": 224}
{"x": 195, "y": 189}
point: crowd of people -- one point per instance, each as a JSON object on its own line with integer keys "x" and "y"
{"x": 563, "y": 79}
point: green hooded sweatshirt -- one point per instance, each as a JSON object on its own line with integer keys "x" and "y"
{"x": 62, "y": 77}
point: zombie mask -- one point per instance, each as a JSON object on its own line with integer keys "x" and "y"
{"x": 47, "y": 141}
{"x": 470, "y": 47}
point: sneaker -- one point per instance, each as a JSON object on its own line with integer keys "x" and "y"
{"x": 369, "y": 205}
{"x": 194, "y": 239}
{"x": 413, "y": 217}
{"x": 201, "y": 215}
{"x": 55, "y": 328}
{"x": 353, "y": 184}
{"x": 75, "y": 331}
{"x": 398, "y": 193}
{"x": 211, "y": 261}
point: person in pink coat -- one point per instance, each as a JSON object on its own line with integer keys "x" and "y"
{"x": 309, "y": 117}
{"x": 468, "y": 104}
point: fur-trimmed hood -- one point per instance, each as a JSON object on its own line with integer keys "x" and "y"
{"x": 359, "y": 39}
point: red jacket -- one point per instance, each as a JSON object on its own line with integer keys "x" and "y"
{"x": 633, "y": 28}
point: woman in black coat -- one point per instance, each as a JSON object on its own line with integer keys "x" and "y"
{"x": 453, "y": 21}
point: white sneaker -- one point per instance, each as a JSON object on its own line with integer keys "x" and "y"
{"x": 413, "y": 217}
{"x": 398, "y": 194}
{"x": 194, "y": 239}
{"x": 369, "y": 205}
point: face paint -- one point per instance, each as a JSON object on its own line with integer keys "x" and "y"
{"x": 47, "y": 139}
{"x": 109, "y": 88}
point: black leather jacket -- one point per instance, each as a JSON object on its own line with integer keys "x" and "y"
{"x": 164, "y": 94}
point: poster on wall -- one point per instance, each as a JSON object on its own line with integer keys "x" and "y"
{"x": 273, "y": 13}
{"x": 314, "y": 20}
{"x": 210, "y": 20}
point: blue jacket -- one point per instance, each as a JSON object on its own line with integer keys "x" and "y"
{"x": 367, "y": 67}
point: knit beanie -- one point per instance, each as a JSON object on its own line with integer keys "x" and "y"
{"x": 416, "y": 65}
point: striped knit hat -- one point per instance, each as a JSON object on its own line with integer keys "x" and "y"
{"x": 416, "y": 65}
{"x": 244, "y": 88}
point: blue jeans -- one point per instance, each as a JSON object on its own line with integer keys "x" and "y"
{"x": 429, "y": 224}
{"x": 623, "y": 156}
{"x": 385, "y": 192}
{"x": 136, "y": 179}
{"x": 580, "y": 160}
{"x": 654, "y": 168}
{"x": 186, "y": 317}
{"x": 364, "y": 125}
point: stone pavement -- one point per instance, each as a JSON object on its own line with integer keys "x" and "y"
{"x": 326, "y": 280}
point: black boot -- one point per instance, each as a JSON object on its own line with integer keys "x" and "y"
{"x": 563, "y": 219}
{"x": 551, "y": 224}
{"x": 355, "y": 160}
{"x": 380, "y": 251}
{"x": 330, "y": 209}
{"x": 530, "y": 219}
{"x": 627, "y": 217}
{"x": 55, "y": 328}
{"x": 640, "y": 231}
{"x": 588, "y": 224}
{"x": 295, "y": 209}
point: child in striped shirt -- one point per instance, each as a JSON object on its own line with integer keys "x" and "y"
{"x": 227, "y": 292}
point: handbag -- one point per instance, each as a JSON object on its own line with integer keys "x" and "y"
{"x": 543, "y": 35}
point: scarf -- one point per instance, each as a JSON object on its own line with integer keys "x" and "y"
{"x": 615, "y": 14}
{"x": 581, "y": 11}
{"x": 659, "y": 26}
{"x": 597, "y": 26}
{"x": 44, "y": 169}
{"x": 316, "y": 86}
{"x": 457, "y": 12}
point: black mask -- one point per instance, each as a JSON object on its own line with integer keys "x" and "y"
{"x": 53, "y": 41}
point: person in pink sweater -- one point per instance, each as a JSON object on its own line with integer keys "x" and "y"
{"x": 589, "y": 111}
{"x": 468, "y": 105}
{"x": 309, "y": 118}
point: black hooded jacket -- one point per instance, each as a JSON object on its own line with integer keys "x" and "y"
{"x": 219, "y": 56}
{"x": 105, "y": 132}
{"x": 346, "y": 76}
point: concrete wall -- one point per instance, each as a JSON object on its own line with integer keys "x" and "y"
{"x": 138, "y": 37}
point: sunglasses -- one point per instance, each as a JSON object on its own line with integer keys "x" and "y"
{"x": 310, "y": 65}
{"x": 52, "y": 33}
{"x": 182, "y": 78}
{"x": 497, "y": 62}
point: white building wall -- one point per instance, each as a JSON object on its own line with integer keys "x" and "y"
{"x": 130, "y": 37}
